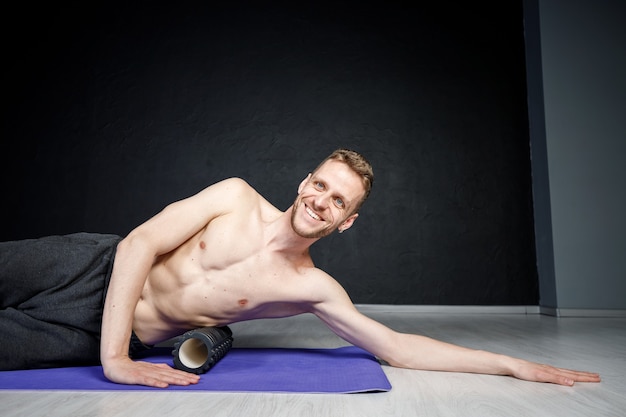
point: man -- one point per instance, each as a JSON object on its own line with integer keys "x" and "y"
{"x": 226, "y": 255}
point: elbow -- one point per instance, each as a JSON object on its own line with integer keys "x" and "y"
{"x": 398, "y": 357}
{"x": 133, "y": 245}
{"x": 127, "y": 243}
{"x": 398, "y": 362}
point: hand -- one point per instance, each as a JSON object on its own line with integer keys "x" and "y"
{"x": 530, "y": 371}
{"x": 126, "y": 371}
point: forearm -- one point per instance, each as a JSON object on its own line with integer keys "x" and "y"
{"x": 420, "y": 352}
{"x": 130, "y": 270}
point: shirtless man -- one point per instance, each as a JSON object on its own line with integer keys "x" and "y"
{"x": 226, "y": 255}
{"x": 221, "y": 256}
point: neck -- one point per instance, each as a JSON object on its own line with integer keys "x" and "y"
{"x": 282, "y": 238}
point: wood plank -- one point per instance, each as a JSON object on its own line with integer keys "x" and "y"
{"x": 595, "y": 344}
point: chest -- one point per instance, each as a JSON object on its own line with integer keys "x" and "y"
{"x": 245, "y": 283}
{"x": 230, "y": 264}
{"x": 230, "y": 244}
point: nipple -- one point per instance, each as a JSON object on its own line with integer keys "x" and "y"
{"x": 202, "y": 244}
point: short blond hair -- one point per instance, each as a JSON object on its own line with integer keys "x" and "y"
{"x": 357, "y": 163}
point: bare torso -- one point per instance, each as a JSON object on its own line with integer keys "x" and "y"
{"x": 226, "y": 272}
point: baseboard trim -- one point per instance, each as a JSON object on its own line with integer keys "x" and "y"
{"x": 454, "y": 309}
{"x": 581, "y": 312}
{"x": 446, "y": 309}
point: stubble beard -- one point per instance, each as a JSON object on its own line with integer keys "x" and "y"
{"x": 316, "y": 234}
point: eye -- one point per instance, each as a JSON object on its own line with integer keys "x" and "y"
{"x": 339, "y": 202}
{"x": 318, "y": 185}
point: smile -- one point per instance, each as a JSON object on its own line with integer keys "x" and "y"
{"x": 310, "y": 212}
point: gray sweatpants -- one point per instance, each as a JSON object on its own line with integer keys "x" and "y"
{"x": 52, "y": 293}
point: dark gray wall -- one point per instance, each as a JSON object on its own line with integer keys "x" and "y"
{"x": 114, "y": 113}
{"x": 539, "y": 157}
{"x": 583, "y": 139}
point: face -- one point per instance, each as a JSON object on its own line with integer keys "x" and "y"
{"x": 326, "y": 200}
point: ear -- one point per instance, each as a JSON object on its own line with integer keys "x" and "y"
{"x": 347, "y": 223}
{"x": 303, "y": 183}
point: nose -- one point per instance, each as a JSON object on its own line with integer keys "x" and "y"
{"x": 321, "y": 201}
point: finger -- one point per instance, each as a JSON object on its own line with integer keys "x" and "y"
{"x": 567, "y": 377}
{"x": 572, "y": 372}
{"x": 162, "y": 375}
{"x": 178, "y": 377}
{"x": 581, "y": 376}
{"x": 555, "y": 378}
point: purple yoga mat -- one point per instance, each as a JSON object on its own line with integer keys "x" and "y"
{"x": 342, "y": 370}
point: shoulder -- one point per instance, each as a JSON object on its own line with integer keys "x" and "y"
{"x": 234, "y": 195}
{"x": 235, "y": 186}
{"x": 229, "y": 193}
{"x": 321, "y": 287}
{"x": 241, "y": 192}
{"x": 221, "y": 198}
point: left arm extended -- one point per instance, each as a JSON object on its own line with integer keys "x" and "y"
{"x": 420, "y": 352}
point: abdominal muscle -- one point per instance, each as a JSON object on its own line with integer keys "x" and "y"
{"x": 185, "y": 290}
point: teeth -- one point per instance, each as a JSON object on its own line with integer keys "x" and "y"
{"x": 315, "y": 216}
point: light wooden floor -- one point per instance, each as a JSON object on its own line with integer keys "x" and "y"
{"x": 595, "y": 344}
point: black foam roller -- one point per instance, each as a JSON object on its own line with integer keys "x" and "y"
{"x": 199, "y": 350}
